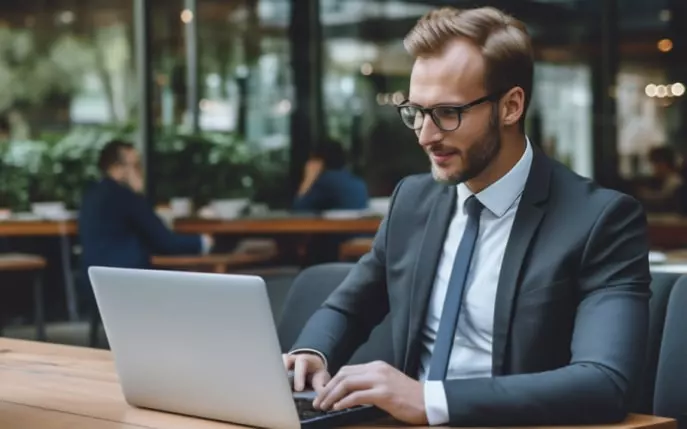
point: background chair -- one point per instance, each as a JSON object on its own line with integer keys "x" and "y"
{"x": 19, "y": 262}
{"x": 661, "y": 286}
{"x": 308, "y": 291}
{"x": 670, "y": 397}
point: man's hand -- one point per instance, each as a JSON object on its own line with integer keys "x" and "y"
{"x": 308, "y": 369}
{"x": 312, "y": 170}
{"x": 135, "y": 180}
{"x": 377, "y": 384}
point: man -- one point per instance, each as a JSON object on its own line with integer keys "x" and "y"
{"x": 553, "y": 270}
{"x": 328, "y": 185}
{"x": 666, "y": 196}
{"x": 117, "y": 225}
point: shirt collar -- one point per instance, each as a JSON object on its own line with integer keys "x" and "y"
{"x": 500, "y": 195}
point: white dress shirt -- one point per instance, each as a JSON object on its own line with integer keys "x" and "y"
{"x": 472, "y": 346}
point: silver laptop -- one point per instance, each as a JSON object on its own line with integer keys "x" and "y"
{"x": 197, "y": 344}
{"x": 204, "y": 345}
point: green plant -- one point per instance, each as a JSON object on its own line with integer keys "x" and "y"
{"x": 203, "y": 167}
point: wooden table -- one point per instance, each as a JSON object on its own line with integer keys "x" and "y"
{"x": 48, "y": 386}
{"x": 248, "y": 226}
{"x": 664, "y": 232}
{"x": 286, "y": 225}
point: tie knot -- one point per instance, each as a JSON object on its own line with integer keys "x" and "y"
{"x": 473, "y": 207}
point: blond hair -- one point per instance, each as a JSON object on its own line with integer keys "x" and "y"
{"x": 503, "y": 40}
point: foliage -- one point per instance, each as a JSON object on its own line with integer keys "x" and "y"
{"x": 30, "y": 74}
{"x": 203, "y": 167}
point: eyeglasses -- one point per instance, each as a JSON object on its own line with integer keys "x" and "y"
{"x": 446, "y": 117}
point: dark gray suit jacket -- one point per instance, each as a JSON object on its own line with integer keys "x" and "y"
{"x": 571, "y": 314}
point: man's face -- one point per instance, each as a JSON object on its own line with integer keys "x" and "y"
{"x": 132, "y": 174}
{"x": 455, "y": 76}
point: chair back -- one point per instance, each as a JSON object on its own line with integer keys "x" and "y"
{"x": 661, "y": 286}
{"x": 670, "y": 397}
{"x": 308, "y": 291}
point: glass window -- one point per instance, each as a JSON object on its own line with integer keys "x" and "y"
{"x": 67, "y": 84}
{"x": 244, "y": 102}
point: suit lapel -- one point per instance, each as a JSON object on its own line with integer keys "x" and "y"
{"x": 425, "y": 271}
{"x": 527, "y": 219}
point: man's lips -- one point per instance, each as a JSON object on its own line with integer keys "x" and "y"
{"x": 443, "y": 156}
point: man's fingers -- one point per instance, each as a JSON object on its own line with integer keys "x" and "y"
{"x": 319, "y": 380}
{"x": 340, "y": 387}
{"x": 360, "y": 397}
{"x": 300, "y": 374}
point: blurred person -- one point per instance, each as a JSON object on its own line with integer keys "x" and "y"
{"x": 118, "y": 227}
{"x": 328, "y": 185}
{"x": 517, "y": 291}
{"x": 665, "y": 196}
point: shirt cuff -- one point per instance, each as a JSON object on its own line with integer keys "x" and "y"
{"x": 436, "y": 404}
{"x": 320, "y": 354}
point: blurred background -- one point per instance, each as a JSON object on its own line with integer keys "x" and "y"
{"x": 225, "y": 101}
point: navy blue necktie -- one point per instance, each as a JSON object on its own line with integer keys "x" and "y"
{"x": 443, "y": 344}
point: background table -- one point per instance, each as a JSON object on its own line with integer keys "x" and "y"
{"x": 244, "y": 226}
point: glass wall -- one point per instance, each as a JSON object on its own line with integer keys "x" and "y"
{"x": 244, "y": 90}
{"x": 68, "y": 76}
{"x": 650, "y": 88}
{"x": 69, "y": 84}
{"x": 650, "y": 99}
{"x": 560, "y": 115}
{"x": 66, "y": 84}
{"x": 366, "y": 71}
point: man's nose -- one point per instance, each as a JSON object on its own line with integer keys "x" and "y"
{"x": 429, "y": 134}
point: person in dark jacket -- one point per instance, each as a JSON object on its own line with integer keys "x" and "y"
{"x": 117, "y": 225}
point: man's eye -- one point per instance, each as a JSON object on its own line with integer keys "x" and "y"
{"x": 445, "y": 112}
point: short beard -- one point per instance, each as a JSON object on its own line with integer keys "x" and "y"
{"x": 478, "y": 156}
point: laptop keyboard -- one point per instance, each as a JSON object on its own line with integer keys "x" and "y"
{"x": 306, "y": 411}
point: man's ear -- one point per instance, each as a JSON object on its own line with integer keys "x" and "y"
{"x": 512, "y": 106}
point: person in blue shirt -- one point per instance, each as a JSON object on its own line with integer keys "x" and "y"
{"x": 328, "y": 185}
{"x": 118, "y": 227}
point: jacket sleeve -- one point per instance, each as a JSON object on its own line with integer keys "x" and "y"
{"x": 344, "y": 321}
{"x": 161, "y": 239}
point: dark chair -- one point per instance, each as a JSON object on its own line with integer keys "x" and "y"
{"x": 661, "y": 286}
{"x": 309, "y": 290}
{"x": 35, "y": 265}
{"x": 670, "y": 397}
